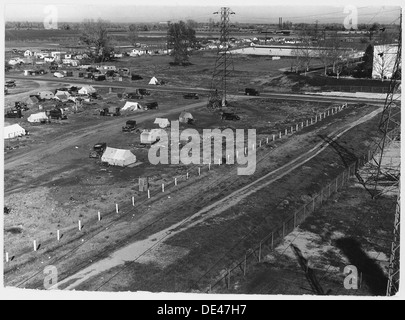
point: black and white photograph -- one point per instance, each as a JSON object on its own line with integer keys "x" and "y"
{"x": 201, "y": 150}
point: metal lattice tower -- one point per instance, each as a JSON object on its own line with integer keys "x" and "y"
{"x": 382, "y": 178}
{"x": 223, "y": 65}
{"x": 393, "y": 267}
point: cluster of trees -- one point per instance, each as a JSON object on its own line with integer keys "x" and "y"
{"x": 181, "y": 39}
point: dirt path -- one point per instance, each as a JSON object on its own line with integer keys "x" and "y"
{"x": 135, "y": 250}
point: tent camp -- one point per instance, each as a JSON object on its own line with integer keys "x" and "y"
{"x": 14, "y": 130}
{"x": 131, "y": 106}
{"x": 162, "y": 122}
{"x": 118, "y": 157}
{"x": 149, "y": 137}
{"x": 37, "y": 117}
{"x": 154, "y": 81}
{"x": 186, "y": 117}
{"x": 87, "y": 90}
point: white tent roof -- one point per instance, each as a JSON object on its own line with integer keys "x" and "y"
{"x": 153, "y": 81}
{"x": 186, "y": 115}
{"x": 162, "y": 122}
{"x": 36, "y": 117}
{"x": 132, "y": 105}
{"x": 87, "y": 89}
{"x": 118, "y": 157}
{"x": 13, "y": 130}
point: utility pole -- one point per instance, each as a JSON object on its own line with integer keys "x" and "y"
{"x": 223, "y": 65}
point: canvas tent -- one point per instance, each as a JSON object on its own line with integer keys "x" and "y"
{"x": 118, "y": 157}
{"x": 32, "y": 100}
{"x": 14, "y": 130}
{"x": 148, "y": 137}
{"x": 153, "y": 81}
{"x": 87, "y": 90}
{"x": 162, "y": 122}
{"x": 185, "y": 117}
{"x": 45, "y": 95}
{"x": 37, "y": 117}
{"x": 131, "y": 106}
{"x": 62, "y": 95}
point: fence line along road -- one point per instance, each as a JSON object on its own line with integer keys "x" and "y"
{"x": 267, "y": 244}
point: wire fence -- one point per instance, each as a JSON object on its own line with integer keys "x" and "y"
{"x": 267, "y": 244}
{"x": 370, "y": 89}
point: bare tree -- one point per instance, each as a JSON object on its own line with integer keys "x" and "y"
{"x": 133, "y": 37}
{"x": 383, "y": 61}
{"x": 95, "y": 35}
{"x": 181, "y": 38}
{"x": 305, "y": 53}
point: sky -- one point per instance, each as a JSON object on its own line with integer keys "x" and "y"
{"x": 252, "y": 11}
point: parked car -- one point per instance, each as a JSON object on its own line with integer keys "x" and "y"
{"x": 130, "y": 125}
{"x": 229, "y": 116}
{"x": 10, "y": 84}
{"x": 191, "y": 96}
{"x": 151, "y": 105}
{"x": 144, "y": 92}
{"x": 251, "y": 92}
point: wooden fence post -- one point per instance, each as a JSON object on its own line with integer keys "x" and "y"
{"x": 260, "y": 251}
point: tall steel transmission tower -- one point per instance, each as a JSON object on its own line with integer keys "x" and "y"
{"x": 223, "y": 65}
{"x": 382, "y": 178}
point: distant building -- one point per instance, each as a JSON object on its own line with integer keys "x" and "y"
{"x": 384, "y": 57}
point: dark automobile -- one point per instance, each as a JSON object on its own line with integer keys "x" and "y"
{"x": 229, "y": 116}
{"x": 151, "y": 105}
{"x": 191, "y": 96}
{"x": 130, "y": 125}
{"x": 133, "y": 95}
{"x": 251, "y": 92}
{"x": 144, "y": 92}
{"x": 136, "y": 77}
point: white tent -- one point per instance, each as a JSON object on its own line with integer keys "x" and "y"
{"x": 87, "y": 90}
{"x": 153, "y": 81}
{"x": 118, "y": 157}
{"x": 14, "y": 130}
{"x": 62, "y": 95}
{"x": 150, "y": 136}
{"x": 162, "y": 122}
{"x": 131, "y": 106}
{"x": 45, "y": 95}
{"x": 37, "y": 117}
{"x": 185, "y": 117}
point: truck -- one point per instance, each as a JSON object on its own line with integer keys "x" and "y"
{"x": 110, "y": 112}
{"x": 130, "y": 125}
{"x": 14, "y": 113}
{"x": 98, "y": 150}
{"x": 56, "y": 114}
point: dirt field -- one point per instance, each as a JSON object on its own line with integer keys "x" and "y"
{"x": 67, "y": 179}
{"x": 349, "y": 229}
{"x": 51, "y": 183}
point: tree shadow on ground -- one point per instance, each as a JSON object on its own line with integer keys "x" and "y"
{"x": 372, "y": 274}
